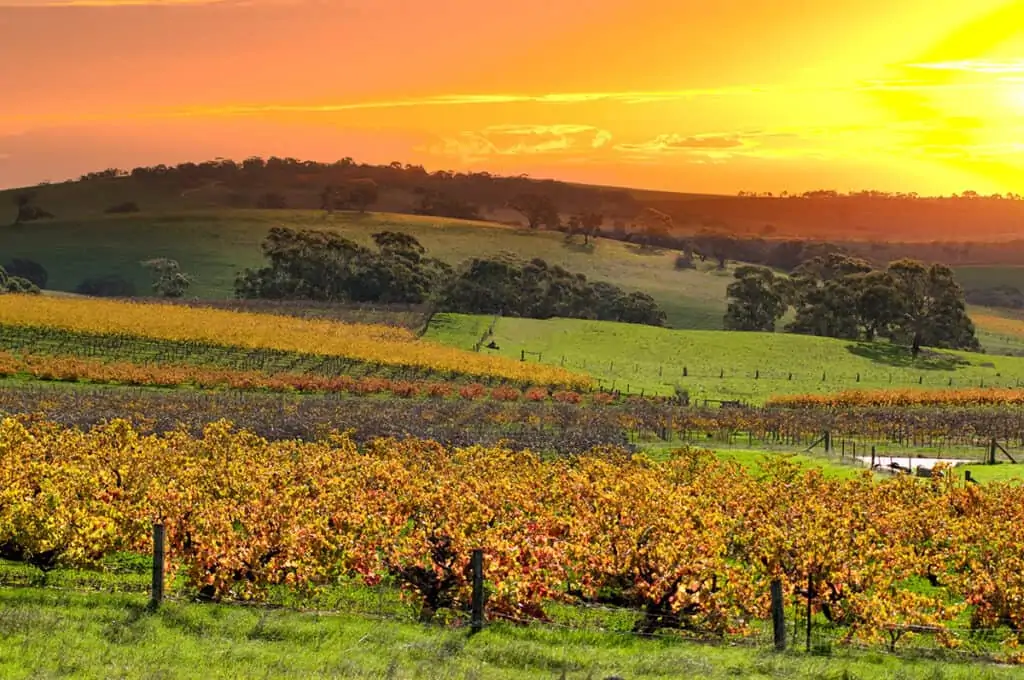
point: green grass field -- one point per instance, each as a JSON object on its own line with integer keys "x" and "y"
{"x": 214, "y": 245}
{"x": 722, "y": 364}
{"x": 50, "y": 633}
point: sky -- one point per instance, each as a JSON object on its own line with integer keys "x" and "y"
{"x": 703, "y": 96}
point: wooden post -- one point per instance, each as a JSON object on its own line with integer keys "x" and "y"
{"x": 778, "y": 616}
{"x": 872, "y": 457}
{"x": 810, "y": 596}
{"x": 477, "y": 615}
{"x": 157, "y": 592}
{"x": 992, "y": 452}
{"x": 522, "y": 355}
{"x": 842, "y": 446}
{"x": 828, "y": 442}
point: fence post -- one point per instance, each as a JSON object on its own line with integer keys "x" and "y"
{"x": 872, "y": 457}
{"x": 522, "y": 355}
{"x": 810, "y": 596}
{"x": 778, "y": 616}
{"x": 157, "y": 593}
{"x": 828, "y": 442}
{"x": 992, "y": 452}
{"x": 477, "y": 615}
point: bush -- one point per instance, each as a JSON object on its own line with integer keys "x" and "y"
{"x": 602, "y": 398}
{"x": 536, "y": 394}
{"x": 29, "y": 270}
{"x": 121, "y": 208}
{"x": 111, "y": 285}
{"x": 472, "y": 391}
{"x": 505, "y": 393}
{"x": 567, "y": 397}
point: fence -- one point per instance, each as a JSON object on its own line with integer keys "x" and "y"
{"x": 793, "y": 624}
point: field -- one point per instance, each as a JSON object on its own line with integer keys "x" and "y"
{"x": 722, "y": 365}
{"x": 53, "y": 634}
{"x": 376, "y": 344}
{"x": 215, "y": 245}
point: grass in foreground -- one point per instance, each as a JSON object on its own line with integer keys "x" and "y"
{"x": 725, "y": 364}
{"x": 49, "y": 634}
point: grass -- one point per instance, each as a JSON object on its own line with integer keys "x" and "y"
{"x": 49, "y": 634}
{"x": 723, "y": 364}
{"x": 989, "y": 276}
{"x": 214, "y": 245}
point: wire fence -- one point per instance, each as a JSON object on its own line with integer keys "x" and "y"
{"x": 791, "y": 627}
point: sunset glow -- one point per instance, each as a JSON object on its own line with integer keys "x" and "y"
{"x": 921, "y": 95}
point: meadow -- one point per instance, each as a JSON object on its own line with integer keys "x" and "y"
{"x": 722, "y": 365}
{"x": 215, "y": 245}
{"x": 48, "y": 633}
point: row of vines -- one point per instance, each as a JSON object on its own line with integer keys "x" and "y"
{"x": 692, "y": 542}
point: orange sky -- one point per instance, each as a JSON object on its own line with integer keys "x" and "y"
{"x": 702, "y": 96}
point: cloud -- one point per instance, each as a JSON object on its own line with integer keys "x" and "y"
{"x": 521, "y": 140}
{"x": 993, "y": 66}
{"x": 667, "y": 143}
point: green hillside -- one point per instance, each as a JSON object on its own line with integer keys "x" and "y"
{"x": 214, "y": 245}
{"x": 723, "y": 364}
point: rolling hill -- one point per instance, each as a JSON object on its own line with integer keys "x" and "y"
{"x": 214, "y": 245}
{"x": 722, "y": 365}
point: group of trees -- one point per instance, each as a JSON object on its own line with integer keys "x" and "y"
{"x": 9, "y": 283}
{"x": 357, "y": 194}
{"x": 840, "y": 296}
{"x": 320, "y": 265}
{"x": 27, "y": 208}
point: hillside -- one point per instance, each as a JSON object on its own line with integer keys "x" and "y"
{"x": 214, "y": 245}
{"x": 722, "y": 364}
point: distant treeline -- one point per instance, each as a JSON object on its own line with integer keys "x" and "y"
{"x": 323, "y": 266}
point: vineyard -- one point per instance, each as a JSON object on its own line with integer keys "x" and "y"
{"x": 689, "y": 544}
{"x": 74, "y": 370}
{"x": 376, "y": 344}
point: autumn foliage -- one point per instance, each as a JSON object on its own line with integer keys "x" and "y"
{"x": 993, "y": 396}
{"x": 381, "y": 344}
{"x": 691, "y": 542}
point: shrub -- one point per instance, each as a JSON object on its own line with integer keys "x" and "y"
{"x": 472, "y": 391}
{"x": 439, "y": 390}
{"x": 29, "y": 270}
{"x": 602, "y": 398}
{"x": 536, "y": 394}
{"x": 404, "y": 388}
{"x": 505, "y": 393}
{"x": 567, "y": 397}
{"x": 111, "y": 285}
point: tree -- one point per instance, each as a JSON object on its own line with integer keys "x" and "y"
{"x": 537, "y": 209}
{"x": 362, "y": 193}
{"x": 756, "y": 300}
{"x": 10, "y": 283}
{"x": 27, "y": 210}
{"x": 587, "y": 224}
{"x": 826, "y": 292}
{"x": 932, "y": 311}
{"x": 28, "y": 269}
{"x": 168, "y": 279}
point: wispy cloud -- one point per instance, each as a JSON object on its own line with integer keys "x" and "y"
{"x": 521, "y": 140}
{"x": 132, "y": 3}
{"x": 995, "y": 67}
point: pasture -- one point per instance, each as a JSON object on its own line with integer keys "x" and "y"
{"x": 722, "y": 365}
{"x": 215, "y": 245}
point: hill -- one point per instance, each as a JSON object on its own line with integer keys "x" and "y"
{"x": 958, "y": 229}
{"x": 723, "y": 364}
{"x": 214, "y": 245}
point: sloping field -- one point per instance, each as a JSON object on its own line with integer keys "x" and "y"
{"x": 215, "y": 245}
{"x": 723, "y": 364}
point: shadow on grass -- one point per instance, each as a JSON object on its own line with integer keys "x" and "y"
{"x": 899, "y": 356}
{"x": 645, "y": 250}
{"x": 578, "y": 247}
